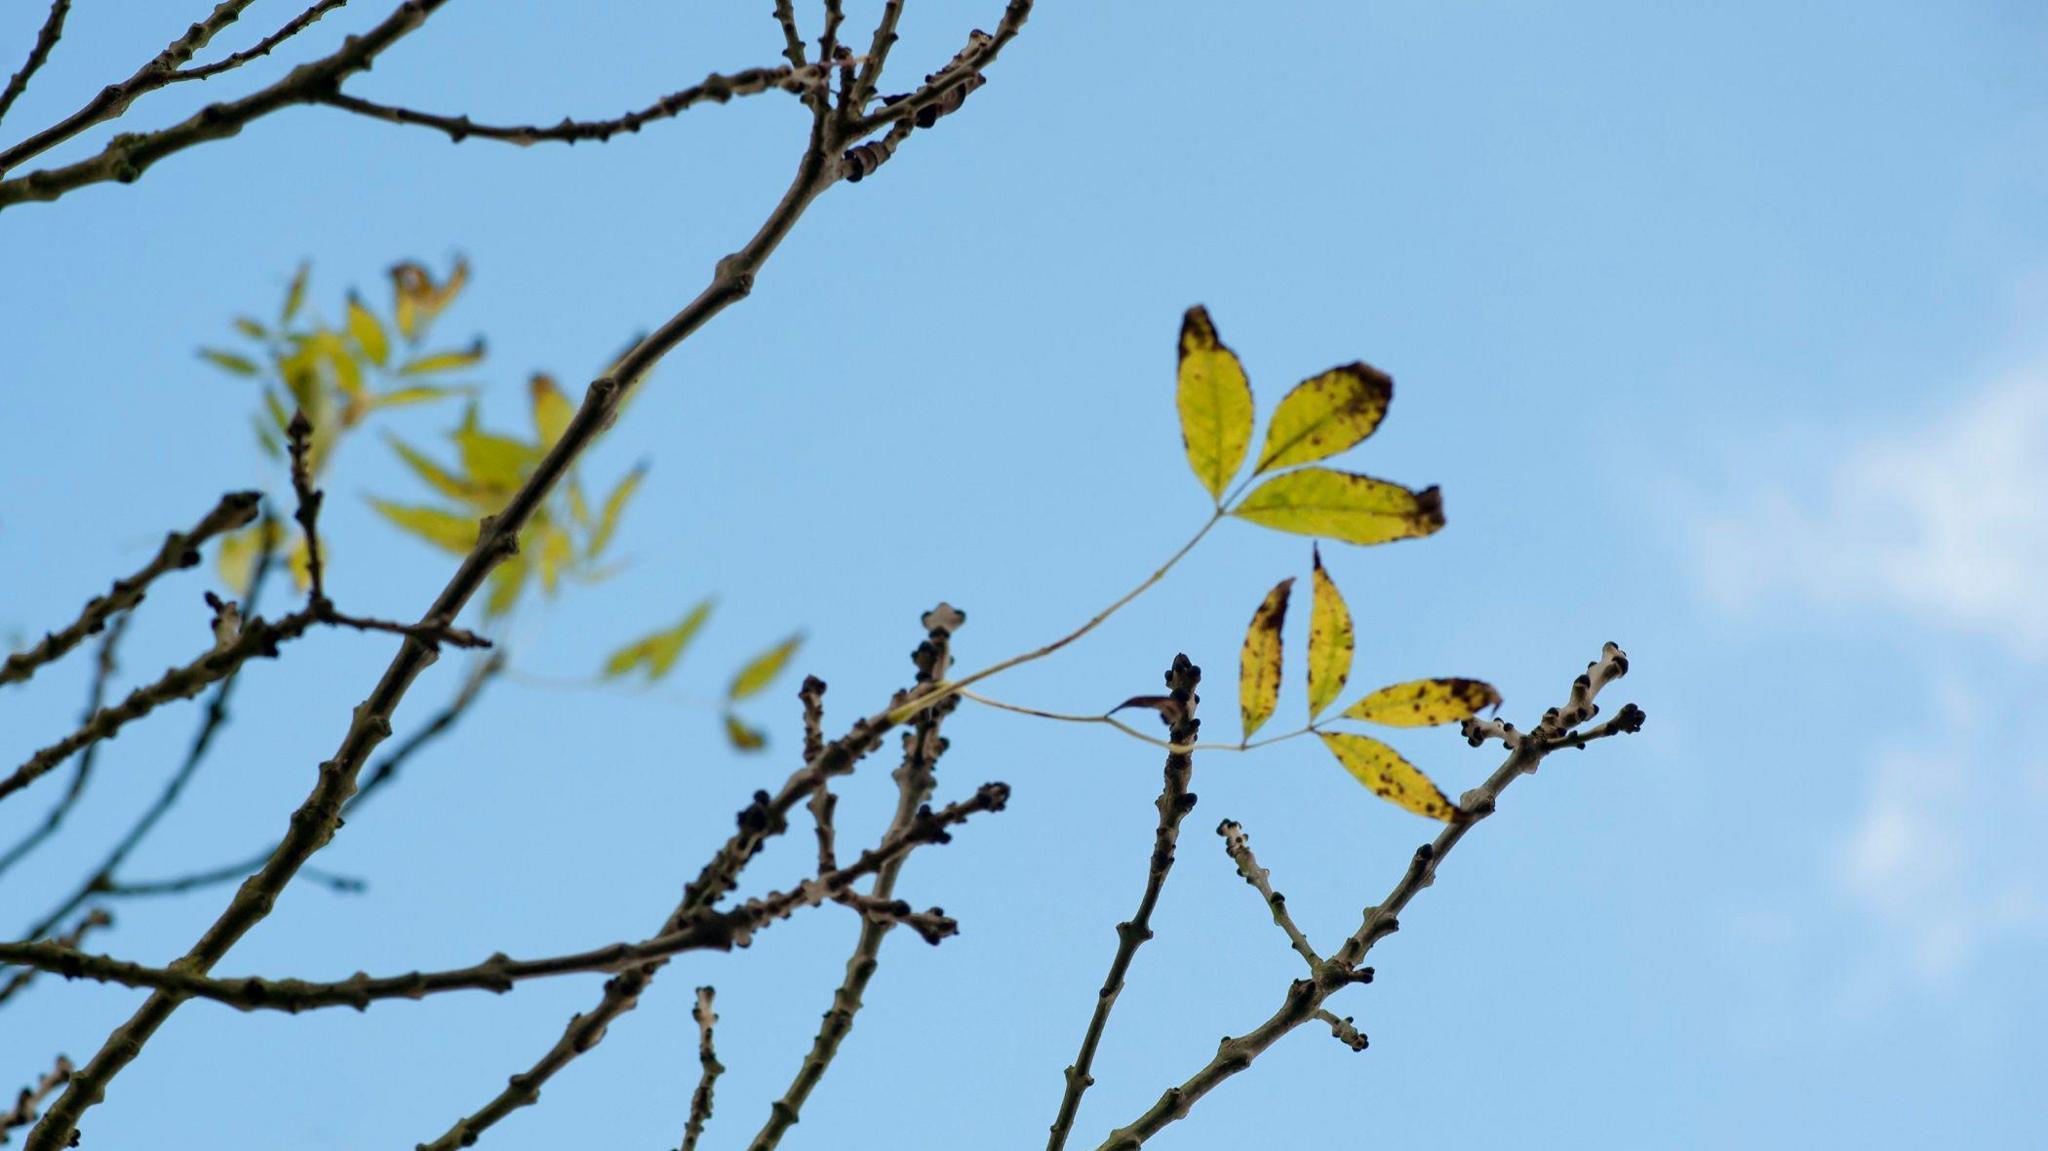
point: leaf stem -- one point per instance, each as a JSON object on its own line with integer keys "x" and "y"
{"x": 1134, "y": 733}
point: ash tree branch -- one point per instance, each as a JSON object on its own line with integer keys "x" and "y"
{"x": 922, "y": 747}
{"x": 1174, "y": 803}
{"x": 264, "y": 47}
{"x": 1305, "y": 997}
{"x": 31, "y": 1097}
{"x": 705, "y": 930}
{"x": 315, "y": 821}
{"x": 179, "y": 550}
{"x": 709, "y": 1069}
{"x": 104, "y": 668}
{"x": 1237, "y": 843}
{"x": 127, "y": 156}
{"x": 46, "y": 39}
{"x": 716, "y": 88}
{"x": 98, "y": 917}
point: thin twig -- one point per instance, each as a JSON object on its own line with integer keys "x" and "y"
{"x": 180, "y": 550}
{"x": 922, "y": 747}
{"x": 128, "y": 155}
{"x": 705, "y": 930}
{"x": 1343, "y": 1030}
{"x": 709, "y": 1069}
{"x": 1174, "y": 803}
{"x": 1305, "y": 997}
{"x": 1238, "y": 844}
{"x": 716, "y": 88}
{"x": 31, "y": 1098}
{"x": 46, "y": 39}
{"x": 792, "y": 38}
{"x": 98, "y": 917}
{"x": 293, "y": 27}
{"x": 103, "y": 674}
{"x": 299, "y": 435}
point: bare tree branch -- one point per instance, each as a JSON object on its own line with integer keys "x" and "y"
{"x": 293, "y": 27}
{"x": 716, "y": 88}
{"x": 1174, "y": 803}
{"x": 704, "y": 930}
{"x": 32, "y": 1096}
{"x": 180, "y": 550}
{"x": 46, "y": 39}
{"x": 103, "y": 674}
{"x": 96, "y": 918}
{"x": 709, "y": 1069}
{"x": 922, "y": 747}
{"x": 1305, "y": 997}
{"x": 1238, "y": 843}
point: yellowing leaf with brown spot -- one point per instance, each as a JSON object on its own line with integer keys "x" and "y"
{"x": 762, "y": 669}
{"x": 1215, "y": 403}
{"x": 444, "y": 529}
{"x": 367, "y": 331}
{"x": 552, "y": 410}
{"x": 1330, "y": 641}
{"x": 1425, "y": 702}
{"x": 1258, "y": 665}
{"x": 1390, "y": 777}
{"x": 1342, "y": 506}
{"x": 1325, "y": 415}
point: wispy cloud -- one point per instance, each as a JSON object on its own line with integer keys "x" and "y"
{"x": 1947, "y": 521}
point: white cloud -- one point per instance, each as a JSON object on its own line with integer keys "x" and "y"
{"x": 1947, "y": 521}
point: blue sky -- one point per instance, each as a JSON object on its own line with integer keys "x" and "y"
{"x": 1720, "y": 328}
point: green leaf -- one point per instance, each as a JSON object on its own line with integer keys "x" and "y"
{"x": 230, "y": 362}
{"x": 493, "y": 461}
{"x": 444, "y": 361}
{"x": 1342, "y": 506}
{"x": 1390, "y": 777}
{"x": 1215, "y": 402}
{"x": 295, "y": 295}
{"x": 1325, "y": 415}
{"x": 1258, "y": 665}
{"x": 742, "y": 737}
{"x": 419, "y": 394}
{"x": 367, "y": 331}
{"x": 251, "y": 328}
{"x": 444, "y": 529}
{"x": 658, "y": 652}
{"x": 507, "y": 580}
{"x": 436, "y": 476}
{"x": 266, "y": 438}
{"x": 614, "y": 506}
{"x": 1425, "y": 702}
{"x": 1330, "y": 641}
{"x": 552, "y": 410}
{"x": 762, "y": 669}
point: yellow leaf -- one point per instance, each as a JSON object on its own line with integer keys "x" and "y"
{"x": 436, "y": 476}
{"x": 444, "y": 361}
{"x": 659, "y": 651}
{"x": 552, "y": 410}
{"x": 762, "y": 669}
{"x": 444, "y": 529}
{"x": 367, "y": 331}
{"x": 1324, "y": 415}
{"x": 236, "y": 562}
{"x": 1258, "y": 665}
{"x": 299, "y": 561}
{"x": 495, "y": 462}
{"x": 1329, "y": 641}
{"x": 295, "y": 295}
{"x": 506, "y": 582}
{"x": 555, "y": 554}
{"x": 614, "y": 505}
{"x": 1390, "y": 777}
{"x": 418, "y": 394}
{"x": 1215, "y": 403}
{"x": 742, "y": 737}
{"x": 229, "y": 362}
{"x": 1425, "y": 702}
{"x": 1342, "y": 506}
